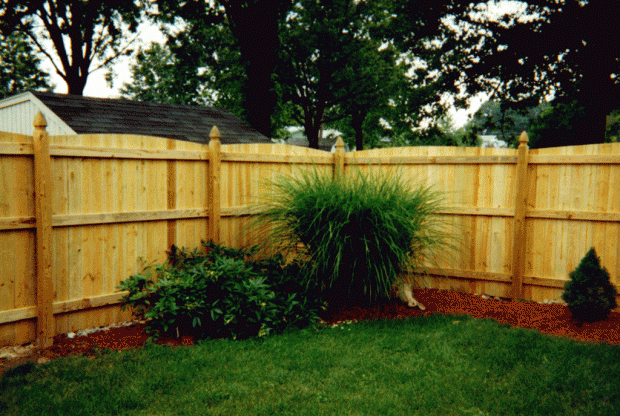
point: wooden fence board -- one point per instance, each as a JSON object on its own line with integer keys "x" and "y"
{"x": 18, "y": 287}
{"x": 17, "y": 246}
{"x": 578, "y": 192}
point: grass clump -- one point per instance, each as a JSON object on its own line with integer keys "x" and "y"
{"x": 360, "y": 232}
{"x": 220, "y": 292}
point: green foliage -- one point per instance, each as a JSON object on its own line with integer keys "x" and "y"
{"x": 221, "y": 292}
{"x": 438, "y": 134}
{"x": 351, "y": 65}
{"x": 199, "y": 65}
{"x": 589, "y": 293}
{"x": 557, "y": 126}
{"x": 360, "y": 233}
{"x": 19, "y": 66}
{"x": 338, "y": 69}
{"x": 498, "y": 118}
{"x": 548, "y": 48}
{"x": 253, "y": 27}
{"x": 159, "y": 76}
{"x": 613, "y": 127}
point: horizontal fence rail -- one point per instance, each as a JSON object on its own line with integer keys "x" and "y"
{"x": 79, "y": 214}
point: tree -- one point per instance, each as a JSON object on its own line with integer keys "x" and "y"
{"x": 336, "y": 60}
{"x": 566, "y": 49}
{"x": 208, "y": 64}
{"x": 613, "y": 127}
{"x": 172, "y": 74}
{"x": 200, "y": 64}
{"x": 19, "y": 66}
{"x": 556, "y": 126}
{"x": 80, "y": 32}
{"x": 327, "y": 58}
{"x": 254, "y": 25}
{"x": 497, "y": 118}
{"x": 159, "y": 77}
{"x": 360, "y": 61}
{"x": 589, "y": 293}
{"x": 261, "y": 29}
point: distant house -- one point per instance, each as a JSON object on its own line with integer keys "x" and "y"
{"x": 73, "y": 114}
{"x": 327, "y": 142}
{"x": 491, "y": 140}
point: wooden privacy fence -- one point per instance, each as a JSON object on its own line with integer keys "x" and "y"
{"x": 79, "y": 214}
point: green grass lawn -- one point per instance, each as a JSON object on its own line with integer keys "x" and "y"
{"x": 436, "y": 365}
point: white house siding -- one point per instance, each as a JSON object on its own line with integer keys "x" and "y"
{"x": 17, "y": 114}
{"x": 492, "y": 141}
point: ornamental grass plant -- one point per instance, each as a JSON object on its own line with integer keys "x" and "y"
{"x": 356, "y": 234}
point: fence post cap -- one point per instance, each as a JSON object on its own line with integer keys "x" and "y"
{"x": 215, "y": 133}
{"x": 39, "y": 121}
{"x": 339, "y": 143}
{"x": 523, "y": 138}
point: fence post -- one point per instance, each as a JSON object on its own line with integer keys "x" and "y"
{"x": 171, "y": 171}
{"x": 215, "y": 161}
{"x": 519, "y": 242}
{"x": 43, "y": 212}
{"x": 339, "y": 158}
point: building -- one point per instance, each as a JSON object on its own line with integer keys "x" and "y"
{"x": 74, "y": 114}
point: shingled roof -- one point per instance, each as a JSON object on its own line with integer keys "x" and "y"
{"x": 104, "y": 115}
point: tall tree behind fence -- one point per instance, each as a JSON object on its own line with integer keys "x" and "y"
{"x": 78, "y": 214}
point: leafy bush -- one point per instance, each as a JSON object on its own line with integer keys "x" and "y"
{"x": 359, "y": 232}
{"x": 221, "y": 292}
{"x": 589, "y": 293}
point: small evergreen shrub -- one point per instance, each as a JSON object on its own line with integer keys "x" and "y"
{"x": 589, "y": 294}
{"x": 221, "y": 292}
{"x": 359, "y": 233}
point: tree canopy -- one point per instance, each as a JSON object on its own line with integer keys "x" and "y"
{"x": 334, "y": 60}
{"x": 562, "y": 49}
{"x": 80, "y": 32}
{"x": 19, "y": 66}
{"x": 372, "y": 68}
{"x": 333, "y": 66}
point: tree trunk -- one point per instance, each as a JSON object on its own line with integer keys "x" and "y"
{"x": 75, "y": 85}
{"x": 313, "y": 120}
{"x": 255, "y": 25}
{"x": 358, "y": 117}
{"x": 312, "y": 133}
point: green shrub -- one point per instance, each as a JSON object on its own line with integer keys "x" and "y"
{"x": 359, "y": 233}
{"x": 220, "y": 292}
{"x": 589, "y": 293}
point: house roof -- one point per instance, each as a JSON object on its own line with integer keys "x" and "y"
{"x": 105, "y": 115}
